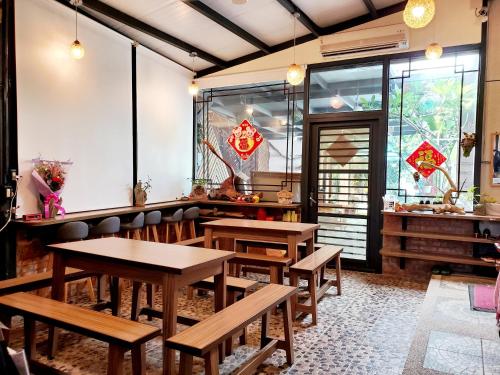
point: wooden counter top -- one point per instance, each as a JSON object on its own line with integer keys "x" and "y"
{"x": 430, "y": 214}
{"x": 89, "y": 215}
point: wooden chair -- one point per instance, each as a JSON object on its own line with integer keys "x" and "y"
{"x": 121, "y": 334}
{"x": 174, "y": 220}
{"x": 204, "y": 338}
{"x": 188, "y": 220}
{"x": 313, "y": 269}
{"x": 151, "y": 222}
{"x": 134, "y": 226}
{"x": 76, "y": 231}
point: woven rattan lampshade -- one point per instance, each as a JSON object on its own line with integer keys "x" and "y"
{"x": 418, "y": 13}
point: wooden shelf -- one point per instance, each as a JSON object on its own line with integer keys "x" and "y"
{"x": 431, "y": 215}
{"x": 438, "y": 236}
{"x": 458, "y": 259}
{"x": 292, "y": 206}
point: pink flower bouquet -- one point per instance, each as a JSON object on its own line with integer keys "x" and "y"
{"x": 49, "y": 177}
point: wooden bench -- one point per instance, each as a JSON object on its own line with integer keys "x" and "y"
{"x": 276, "y": 265}
{"x": 203, "y": 339}
{"x": 313, "y": 269}
{"x": 196, "y": 242}
{"x": 121, "y": 334}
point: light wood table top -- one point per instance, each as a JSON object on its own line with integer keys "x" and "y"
{"x": 278, "y": 226}
{"x": 160, "y": 256}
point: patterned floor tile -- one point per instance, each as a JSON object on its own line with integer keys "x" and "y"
{"x": 452, "y": 362}
{"x": 455, "y": 343}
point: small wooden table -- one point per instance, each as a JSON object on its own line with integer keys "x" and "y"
{"x": 259, "y": 230}
{"x": 171, "y": 266}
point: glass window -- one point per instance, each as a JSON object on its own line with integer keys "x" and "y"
{"x": 275, "y": 110}
{"x": 346, "y": 89}
{"x": 433, "y": 101}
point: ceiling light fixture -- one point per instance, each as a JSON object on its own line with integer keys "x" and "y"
{"x": 337, "y": 102}
{"x": 418, "y": 13}
{"x": 77, "y": 51}
{"x": 193, "y": 87}
{"x": 434, "y": 51}
{"x": 295, "y": 74}
{"x": 249, "y": 110}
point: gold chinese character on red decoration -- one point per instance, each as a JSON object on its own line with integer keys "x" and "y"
{"x": 425, "y": 152}
{"x": 245, "y": 139}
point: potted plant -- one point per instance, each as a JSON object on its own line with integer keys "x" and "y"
{"x": 141, "y": 190}
{"x": 484, "y": 204}
{"x": 198, "y": 190}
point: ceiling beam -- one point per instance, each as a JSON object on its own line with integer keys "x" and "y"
{"x": 145, "y": 28}
{"x": 398, "y": 7}
{"x": 303, "y": 19}
{"x": 227, "y": 24}
{"x": 369, "y": 5}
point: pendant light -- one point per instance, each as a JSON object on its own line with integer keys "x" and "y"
{"x": 295, "y": 74}
{"x": 193, "y": 87}
{"x": 77, "y": 51}
{"x": 418, "y": 13}
{"x": 337, "y": 102}
{"x": 434, "y": 51}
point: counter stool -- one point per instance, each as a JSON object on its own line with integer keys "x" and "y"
{"x": 190, "y": 215}
{"x": 135, "y": 225}
{"x": 76, "y": 231}
{"x": 174, "y": 220}
{"x": 106, "y": 227}
{"x": 151, "y": 221}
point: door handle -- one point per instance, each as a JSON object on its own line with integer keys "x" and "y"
{"x": 312, "y": 201}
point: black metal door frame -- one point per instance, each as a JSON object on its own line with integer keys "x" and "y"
{"x": 376, "y": 180}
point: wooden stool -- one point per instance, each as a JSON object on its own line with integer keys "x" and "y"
{"x": 135, "y": 225}
{"x": 174, "y": 220}
{"x": 76, "y": 231}
{"x": 151, "y": 221}
{"x": 190, "y": 215}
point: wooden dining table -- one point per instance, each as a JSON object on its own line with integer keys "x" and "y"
{"x": 170, "y": 266}
{"x": 287, "y": 233}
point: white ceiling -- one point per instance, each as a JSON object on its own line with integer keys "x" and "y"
{"x": 267, "y": 20}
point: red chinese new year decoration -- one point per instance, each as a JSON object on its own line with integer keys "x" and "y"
{"x": 245, "y": 139}
{"x": 426, "y": 152}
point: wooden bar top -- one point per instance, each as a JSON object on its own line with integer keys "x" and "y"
{"x": 156, "y": 256}
{"x": 430, "y": 214}
{"x": 278, "y": 226}
{"x": 89, "y": 215}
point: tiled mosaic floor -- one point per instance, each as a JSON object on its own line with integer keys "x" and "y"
{"x": 367, "y": 330}
{"x": 451, "y": 338}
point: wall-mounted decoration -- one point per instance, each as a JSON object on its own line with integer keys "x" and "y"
{"x": 245, "y": 139}
{"x": 425, "y": 153}
{"x": 468, "y": 142}
{"x": 495, "y": 160}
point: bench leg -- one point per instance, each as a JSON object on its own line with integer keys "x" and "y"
{"x": 294, "y": 281}
{"x": 149, "y": 299}
{"x": 186, "y": 364}
{"x": 243, "y": 336}
{"x": 211, "y": 362}
{"x": 136, "y": 296}
{"x": 288, "y": 327}
{"x": 313, "y": 287}
{"x": 7, "y": 320}
{"x": 29, "y": 338}
{"x": 264, "y": 330}
{"x": 139, "y": 360}
{"x": 115, "y": 360}
{"x": 115, "y": 292}
{"x": 338, "y": 271}
{"x": 190, "y": 292}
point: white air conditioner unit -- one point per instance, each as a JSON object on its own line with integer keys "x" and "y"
{"x": 367, "y": 41}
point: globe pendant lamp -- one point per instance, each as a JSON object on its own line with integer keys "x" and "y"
{"x": 434, "y": 51}
{"x": 77, "y": 51}
{"x": 418, "y": 13}
{"x": 295, "y": 74}
{"x": 193, "y": 87}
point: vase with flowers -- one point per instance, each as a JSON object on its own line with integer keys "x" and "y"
{"x": 49, "y": 177}
{"x": 141, "y": 190}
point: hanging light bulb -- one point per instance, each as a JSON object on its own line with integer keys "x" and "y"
{"x": 249, "y": 110}
{"x": 295, "y": 74}
{"x": 337, "y": 102}
{"x": 193, "y": 87}
{"x": 418, "y": 13}
{"x": 76, "y": 50}
{"x": 434, "y": 51}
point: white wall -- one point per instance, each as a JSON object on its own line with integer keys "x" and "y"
{"x": 164, "y": 126}
{"x": 78, "y": 110}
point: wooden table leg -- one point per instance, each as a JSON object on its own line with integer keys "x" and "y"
{"x": 116, "y": 295}
{"x": 310, "y": 245}
{"x": 57, "y": 293}
{"x": 220, "y": 302}
{"x": 208, "y": 238}
{"x": 169, "y": 299}
{"x": 292, "y": 247}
